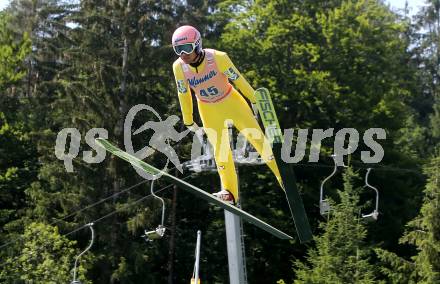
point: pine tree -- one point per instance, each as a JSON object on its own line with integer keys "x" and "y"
{"x": 329, "y": 64}
{"x": 18, "y": 160}
{"x": 423, "y": 233}
{"x": 103, "y": 66}
{"x": 427, "y": 57}
{"x": 424, "y": 230}
{"x": 341, "y": 254}
{"x": 333, "y": 64}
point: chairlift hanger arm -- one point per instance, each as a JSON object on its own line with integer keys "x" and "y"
{"x": 321, "y": 197}
{"x": 90, "y": 225}
{"x": 374, "y": 188}
{"x": 161, "y": 199}
{"x": 375, "y": 212}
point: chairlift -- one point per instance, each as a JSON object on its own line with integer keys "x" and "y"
{"x": 205, "y": 162}
{"x": 245, "y": 153}
{"x": 159, "y": 232}
{"x": 373, "y": 216}
{"x": 324, "y": 206}
{"x": 90, "y": 225}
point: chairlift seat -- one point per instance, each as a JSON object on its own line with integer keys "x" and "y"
{"x": 324, "y": 207}
{"x": 155, "y": 234}
{"x": 372, "y": 217}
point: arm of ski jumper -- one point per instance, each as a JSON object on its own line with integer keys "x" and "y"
{"x": 184, "y": 93}
{"x": 227, "y": 67}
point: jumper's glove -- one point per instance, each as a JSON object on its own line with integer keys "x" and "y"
{"x": 255, "y": 110}
{"x": 193, "y": 127}
{"x": 198, "y": 131}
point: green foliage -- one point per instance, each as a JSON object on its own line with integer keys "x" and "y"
{"x": 426, "y": 37}
{"x": 395, "y": 268}
{"x": 424, "y": 230}
{"x": 16, "y": 168}
{"x": 341, "y": 254}
{"x": 12, "y": 54}
{"x": 347, "y": 58}
{"x": 328, "y": 64}
{"x": 423, "y": 233}
{"x": 335, "y": 65}
{"x": 46, "y": 257}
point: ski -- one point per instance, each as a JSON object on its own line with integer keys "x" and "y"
{"x": 275, "y": 136}
{"x": 191, "y": 188}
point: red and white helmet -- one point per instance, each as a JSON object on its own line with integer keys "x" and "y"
{"x": 186, "y": 39}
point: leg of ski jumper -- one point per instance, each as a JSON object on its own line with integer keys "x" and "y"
{"x": 246, "y": 123}
{"x": 216, "y": 128}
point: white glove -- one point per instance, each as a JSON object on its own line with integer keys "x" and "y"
{"x": 193, "y": 127}
{"x": 198, "y": 131}
{"x": 255, "y": 109}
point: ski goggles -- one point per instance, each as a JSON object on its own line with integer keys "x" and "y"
{"x": 187, "y": 48}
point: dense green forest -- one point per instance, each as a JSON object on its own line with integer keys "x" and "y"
{"x": 328, "y": 64}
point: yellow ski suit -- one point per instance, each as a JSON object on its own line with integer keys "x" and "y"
{"x": 219, "y": 103}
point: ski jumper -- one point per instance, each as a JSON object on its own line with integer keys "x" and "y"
{"x": 219, "y": 103}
